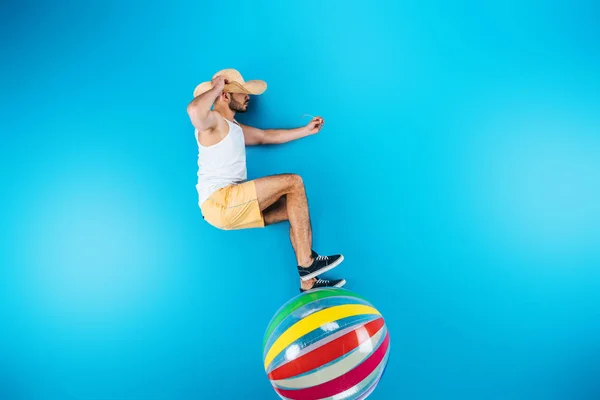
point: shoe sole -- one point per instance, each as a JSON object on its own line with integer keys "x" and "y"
{"x": 322, "y": 270}
{"x": 337, "y": 285}
{"x": 340, "y": 283}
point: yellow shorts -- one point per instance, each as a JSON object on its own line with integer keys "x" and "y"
{"x": 234, "y": 207}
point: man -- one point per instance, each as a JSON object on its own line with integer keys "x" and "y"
{"x": 226, "y": 198}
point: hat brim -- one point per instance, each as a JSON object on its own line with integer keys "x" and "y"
{"x": 254, "y": 87}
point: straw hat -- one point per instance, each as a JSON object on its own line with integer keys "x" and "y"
{"x": 236, "y": 84}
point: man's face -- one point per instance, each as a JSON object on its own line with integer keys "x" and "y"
{"x": 239, "y": 102}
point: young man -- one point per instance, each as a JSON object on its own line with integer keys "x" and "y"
{"x": 226, "y": 198}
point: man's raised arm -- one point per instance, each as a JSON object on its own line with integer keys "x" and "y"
{"x": 201, "y": 115}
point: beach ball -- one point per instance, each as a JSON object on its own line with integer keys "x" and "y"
{"x": 326, "y": 344}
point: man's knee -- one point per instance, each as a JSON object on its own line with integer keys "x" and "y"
{"x": 296, "y": 182}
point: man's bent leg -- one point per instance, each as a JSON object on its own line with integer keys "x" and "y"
{"x": 269, "y": 190}
{"x": 277, "y": 213}
{"x": 270, "y": 200}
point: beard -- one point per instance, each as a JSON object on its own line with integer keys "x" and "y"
{"x": 237, "y": 107}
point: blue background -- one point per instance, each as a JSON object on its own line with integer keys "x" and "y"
{"x": 458, "y": 171}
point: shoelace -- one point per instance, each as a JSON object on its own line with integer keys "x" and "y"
{"x": 321, "y": 281}
{"x": 322, "y": 258}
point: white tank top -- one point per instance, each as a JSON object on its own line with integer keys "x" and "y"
{"x": 221, "y": 164}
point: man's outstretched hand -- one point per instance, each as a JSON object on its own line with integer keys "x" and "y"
{"x": 315, "y": 125}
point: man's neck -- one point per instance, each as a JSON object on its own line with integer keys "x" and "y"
{"x": 226, "y": 112}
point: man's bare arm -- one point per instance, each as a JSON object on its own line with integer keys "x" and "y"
{"x": 256, "y": 136}
{"x": 198, "y": 109}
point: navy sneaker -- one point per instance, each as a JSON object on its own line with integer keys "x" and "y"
{"x": 320, "y": 265}
{"x": 321, "y": 283}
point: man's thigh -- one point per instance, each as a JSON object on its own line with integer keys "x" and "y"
{"x": 271, "y": 188}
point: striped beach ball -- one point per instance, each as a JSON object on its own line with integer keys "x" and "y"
{"x": 326, "y": 344}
